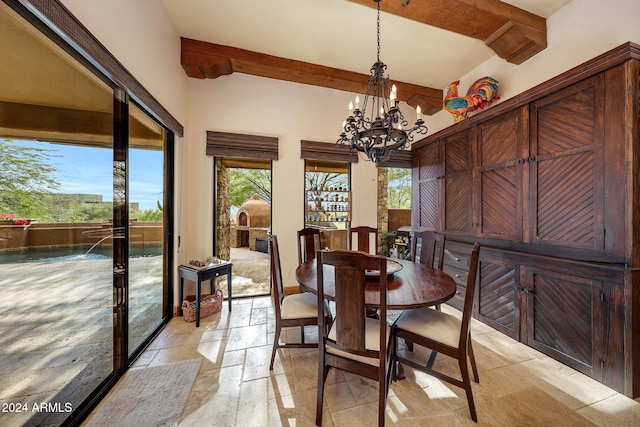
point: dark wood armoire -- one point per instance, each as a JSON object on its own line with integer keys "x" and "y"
{"x": 549, "y": 183}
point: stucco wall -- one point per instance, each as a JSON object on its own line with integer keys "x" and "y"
{"x": 289, "y": 111}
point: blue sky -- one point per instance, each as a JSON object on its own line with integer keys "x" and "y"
{"x": 89, "y": 170}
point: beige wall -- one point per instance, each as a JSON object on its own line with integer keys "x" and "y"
{"x": 291, "y": 112}
{"x": 149, "y": 48}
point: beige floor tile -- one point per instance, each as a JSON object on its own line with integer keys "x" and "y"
{"x": 247, "y": 337}
{"x": 253, "y": 402}
{"x": 533, "y": 407}
{"x": 616, "y": 410}
{"x": 234, "y": 387}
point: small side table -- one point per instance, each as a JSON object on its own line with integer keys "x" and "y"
{"x": 200, "y": 274}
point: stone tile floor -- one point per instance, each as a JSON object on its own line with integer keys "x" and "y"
{"x": 518, "y": 385}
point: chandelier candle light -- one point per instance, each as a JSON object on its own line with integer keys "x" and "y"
{"x": 379, "y": 129}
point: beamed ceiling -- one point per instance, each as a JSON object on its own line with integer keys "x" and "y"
{"x": 331, "y": 43}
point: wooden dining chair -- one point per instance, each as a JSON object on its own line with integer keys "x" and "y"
{"x": 425, "y": 245}
{"x": 308, "y": 244}
{"x": 445, "y": 334}
{"x": 364, "y": 235}
{"x": 293, "y": 310}
{"x": 355, "y": 342}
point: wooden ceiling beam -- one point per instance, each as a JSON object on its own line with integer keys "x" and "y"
{"x": 203, "y": 60}
{"x": 514, "y": 34}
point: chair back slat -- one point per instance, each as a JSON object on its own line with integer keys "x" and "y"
{"x": 363, "y": 235}
{"x": 425, "y": 246}
{"x": 308, "y": 244}
{"x": 350, "y": 282}
{"x": 350, "y": 324}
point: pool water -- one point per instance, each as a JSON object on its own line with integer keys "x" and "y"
{"x": 74, "y": 254}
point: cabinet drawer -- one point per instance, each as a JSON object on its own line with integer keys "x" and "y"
{"x": 456, "y": 260}
{"x": 460, "y": 277}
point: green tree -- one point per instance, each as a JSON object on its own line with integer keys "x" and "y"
{"x": 85, "y": 212}
{"x": 26, "y": 177}
{"x": 148, "y": 215}
{"x": 246, "y": 182}
{"x": 399, "y": 188}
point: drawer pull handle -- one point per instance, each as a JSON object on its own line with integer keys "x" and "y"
{"x": 458, "y": 276}
{"x": 457, "y": 259}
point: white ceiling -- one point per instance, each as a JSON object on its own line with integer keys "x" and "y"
{"x": 340, "y": 34}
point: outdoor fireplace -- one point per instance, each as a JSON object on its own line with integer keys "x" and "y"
{"x": 252, "y": 224}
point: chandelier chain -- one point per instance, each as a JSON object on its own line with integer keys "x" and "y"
{"x": 380, "y": 131}
{"x": 378, "y": 31}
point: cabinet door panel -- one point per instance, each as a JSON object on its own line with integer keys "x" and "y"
{"x": 429, "y": 163}
{"x": 456, "y": 153}
{"x": 428, "y": 174}
{"x": 566, "y": 173}
{"x": 457, "y": 183}
{"x": 457, "y": 205}
{"x": 567, "y": 122}
{"x": 501, "y": 206}
{"x": 561, "y": 318}
{"x": 498, "y": 303}
{"x": 565, "y": 201}
{"x": 502, "y": 145}
{"x": 501, "y": 140}
{"x": 429, "y": 202}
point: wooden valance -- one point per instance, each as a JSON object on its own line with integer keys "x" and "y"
{"x": 313, "y": 150}
{"x": 224, "y": 144}
{"x": 401, "y": 159}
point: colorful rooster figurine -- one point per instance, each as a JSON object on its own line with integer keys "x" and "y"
{"x": 480, "y": 94}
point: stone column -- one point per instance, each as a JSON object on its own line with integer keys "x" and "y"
{"x": 383, "y": 210}
{"x": 223, "y": 211}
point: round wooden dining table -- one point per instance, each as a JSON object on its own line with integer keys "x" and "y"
{"x": 413, "y": 286}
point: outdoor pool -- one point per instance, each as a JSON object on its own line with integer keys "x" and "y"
{"x": 74, "y": 253}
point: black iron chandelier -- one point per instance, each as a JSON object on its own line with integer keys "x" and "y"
{"x": 379, "y": 129}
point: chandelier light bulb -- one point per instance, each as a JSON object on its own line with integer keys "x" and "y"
{"x": 350, "y": 107}
{"x": 357, "y": 101}
{"x": 419, "y": 112}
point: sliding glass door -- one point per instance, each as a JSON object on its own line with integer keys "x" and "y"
{"x": 146, "y": 228}
{"x": 83, "y": 219}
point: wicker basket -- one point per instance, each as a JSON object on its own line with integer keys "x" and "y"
{"x": 209, "y": 304}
